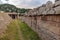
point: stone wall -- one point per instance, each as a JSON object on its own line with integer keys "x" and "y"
{"x": 4, "y": 21}
{"x": 45, "y": 20}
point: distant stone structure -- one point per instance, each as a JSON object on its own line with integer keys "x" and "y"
{"x": 14, "y": 15}
{"x": 45, "y": 20}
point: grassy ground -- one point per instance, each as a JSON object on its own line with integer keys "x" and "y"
{"x": 12, "y": 32}
{"x": 28, "y": 33}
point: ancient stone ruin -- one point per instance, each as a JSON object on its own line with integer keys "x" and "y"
{"x": 45, "y": 20}
{"x": 4, "y": 21}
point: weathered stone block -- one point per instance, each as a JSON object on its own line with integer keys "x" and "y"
{"x": 57, "y": 9}
{"x": 42, "y": 9}
{"x": 51, "y": 11}
{"x": 57, "y": 3}
{"x": 49, "y": 4}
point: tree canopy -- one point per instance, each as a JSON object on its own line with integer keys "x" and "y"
{"x": 12, "y": 8}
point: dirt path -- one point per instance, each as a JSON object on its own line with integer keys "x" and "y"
{"x": 19, "y": 31}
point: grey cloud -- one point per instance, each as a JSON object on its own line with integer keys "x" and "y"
{"x": 27, "y": 3}
{"x": 1, "y": 2}
{"x": 31, "y": 3}
{"x": 34, "y": 3}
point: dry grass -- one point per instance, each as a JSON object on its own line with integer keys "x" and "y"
{"x": 11, "y": 32}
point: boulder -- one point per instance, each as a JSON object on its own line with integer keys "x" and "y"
{"x": 57, "y": 3}
{"x": 41, "y": 10}
{"x": 57, "y": 9}
{"x": 52, "y": 11}
{"x": 44, "y": 13}
{"x": 49, "y": 4}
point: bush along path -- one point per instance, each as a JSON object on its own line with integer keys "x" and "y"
{"x": 19, "y": 31}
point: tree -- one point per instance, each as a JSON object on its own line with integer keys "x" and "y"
{"x": 12, "y": 8}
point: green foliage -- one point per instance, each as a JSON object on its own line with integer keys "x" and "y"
{"x": 7, "y": 8}
{"x": 12, "y": 8}
{"x": 28, "y": 33}
{"x": 12, "y": 32}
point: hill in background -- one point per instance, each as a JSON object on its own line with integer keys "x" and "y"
{"x": 12, "y": 8}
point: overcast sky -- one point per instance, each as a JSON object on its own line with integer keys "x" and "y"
{"x": 25, "y": 3}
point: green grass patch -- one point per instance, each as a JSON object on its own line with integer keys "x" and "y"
{"x": 27, "y": 32}
{"x": 11, "y": 32}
